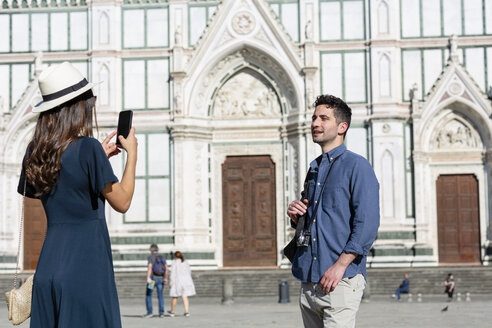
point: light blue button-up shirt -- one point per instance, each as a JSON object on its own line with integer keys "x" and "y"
{"x": 348, "y": 214}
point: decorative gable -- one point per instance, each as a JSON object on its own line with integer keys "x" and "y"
{"x": 243, "y": 35}
{"x": 455, "y": 84}
{"x": 455, "y": 114}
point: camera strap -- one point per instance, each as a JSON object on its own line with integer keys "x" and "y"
{"x": 302, "y": 219}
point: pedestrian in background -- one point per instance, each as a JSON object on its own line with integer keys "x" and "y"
{"x": 341, "y": 199}
{"x": 181, "y": 283}
{"x": 449, "y": 285}
{"x": 157, "y": 274}
{"x": 69, "y": 171}
{"x": 403, "y": 288}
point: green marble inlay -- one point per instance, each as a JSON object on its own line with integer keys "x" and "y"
{"x": 8, "y": 259}
{"x": 401, "y": 251}
{"x": 142, "y": 240}
{"x": 396, "y": 235}
{"x": 424, "y": 251}
{"x": 199, "y": 256}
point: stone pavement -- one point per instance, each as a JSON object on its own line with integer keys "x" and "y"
{"x": 267, "y": 312}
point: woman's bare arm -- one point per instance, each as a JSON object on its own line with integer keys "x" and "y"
{"x": 119, "y": 195}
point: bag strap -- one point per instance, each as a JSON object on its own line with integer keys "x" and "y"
{"x": 302, "y": 219}
{"x": 21, "y": 225}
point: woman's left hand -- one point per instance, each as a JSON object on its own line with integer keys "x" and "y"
{"x": 110, "y": 147}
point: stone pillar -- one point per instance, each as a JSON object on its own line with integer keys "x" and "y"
{"x": 191, "y": 194}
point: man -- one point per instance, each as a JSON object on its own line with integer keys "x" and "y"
{"x": 403, "y": 288}
{"x": 157, "y": 274}
{"x": 332, "y": 266}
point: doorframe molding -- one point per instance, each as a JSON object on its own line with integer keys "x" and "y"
{"x": 453, "y": 168}
{"x": 219, "y": 153}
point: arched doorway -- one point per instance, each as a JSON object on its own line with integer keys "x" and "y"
{"x": 245, "y": 97}
{"x": 246, "y": 109}
{"x": 451, "y": 182}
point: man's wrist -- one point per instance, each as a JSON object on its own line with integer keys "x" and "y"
{"x": 345, "y": 259}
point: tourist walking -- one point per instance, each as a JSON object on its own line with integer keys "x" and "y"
{"x": 181, "y": 283}
{"x": 157, "y": 274}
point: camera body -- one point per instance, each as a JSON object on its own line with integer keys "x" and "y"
{"x": 304, "y": 237}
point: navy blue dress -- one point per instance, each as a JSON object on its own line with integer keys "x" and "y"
{"x": 74, "y": 281}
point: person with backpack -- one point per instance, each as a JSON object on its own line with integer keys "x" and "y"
{"x": 157, "y": 274}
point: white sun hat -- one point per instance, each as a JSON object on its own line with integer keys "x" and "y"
{"x": 59, "y": 84}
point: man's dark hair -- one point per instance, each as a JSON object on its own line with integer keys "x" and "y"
{"x": 341, "y": 110}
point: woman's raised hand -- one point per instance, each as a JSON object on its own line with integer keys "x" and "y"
{"x": 129, "y": 143}
{"x": 110, "y": 148}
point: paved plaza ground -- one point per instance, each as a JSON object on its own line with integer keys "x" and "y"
{"x": 267, "y": 312}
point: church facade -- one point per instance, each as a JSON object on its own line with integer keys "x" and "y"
{"x": 222, "y": 94}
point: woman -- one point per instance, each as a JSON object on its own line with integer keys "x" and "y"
{"x": 70, "y": 172}
{"x": 180, "y": 283}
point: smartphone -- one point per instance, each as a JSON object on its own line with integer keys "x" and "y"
{"x": 124, "y": 124}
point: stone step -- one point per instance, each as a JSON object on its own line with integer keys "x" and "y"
{"x": 260, "y": 282}
{"x": 475, "y": 280}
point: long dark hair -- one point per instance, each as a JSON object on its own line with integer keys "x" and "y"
{"x": 179, "y": 255}
{"x": 55, "y": 130}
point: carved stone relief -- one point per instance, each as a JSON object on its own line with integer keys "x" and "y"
{"x": 245, "y": 96}
{"x": 211, "y": 77}
{"x": 243, "y": 23}
{"x": 177, "y": 98}
{"x": 295, "y": 164}
{"x": 388, "y": 185}
{"x": 198, "y": 182}
{"x": 308, "y": 31}
{"x": 455, "y": 88}
{"x": 245, "y": 57}
{"x": 455, "y": 135}
{"x": 269, "y": 65}
{"x": 178, "y": 39}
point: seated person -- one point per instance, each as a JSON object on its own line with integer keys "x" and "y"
{"x": 449, "y": 284}
{"x": 403, "y": 288}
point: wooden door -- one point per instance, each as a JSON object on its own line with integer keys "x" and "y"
{"x": 248, "y": 210}
{"x": 458, "y": 219}
{"x": 34, "y": 231}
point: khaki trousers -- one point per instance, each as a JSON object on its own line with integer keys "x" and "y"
{"x": 336, "y": 309}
